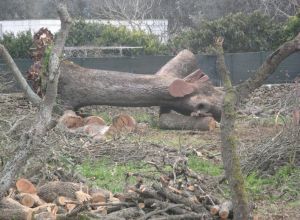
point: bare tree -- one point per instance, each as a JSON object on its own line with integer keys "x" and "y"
{"x": 32, "y": 141}
{"x": 233, "y": 97}
{"x": 132, "y": 11}
{"x": 279, "y": 8}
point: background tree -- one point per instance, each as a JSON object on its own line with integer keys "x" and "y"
{"x": 244, "y": 33}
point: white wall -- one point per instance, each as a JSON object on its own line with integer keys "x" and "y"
{"x": 156, "y": 27}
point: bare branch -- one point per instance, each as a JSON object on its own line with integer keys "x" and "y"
{"x": 32, "y": 140}
{"x": 56, "y": 54}
{"x": 268, "y": 67}
{"x": 30, "y": 94}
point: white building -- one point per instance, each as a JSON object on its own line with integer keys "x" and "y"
{"x": 156, "y": 27}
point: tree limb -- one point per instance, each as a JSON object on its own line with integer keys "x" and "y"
{"x": 268, "y": 67}
{"x": 32, "y": 142}
{"x": 30, "y": 94}
{"x": 44, "y": 117}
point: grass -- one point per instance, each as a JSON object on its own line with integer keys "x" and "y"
{"x": 284, "y": 184}
{"x": 111, "y": 176}
{"x": 204, "y": 166}
{"x": 106, "y": 117}
{"x": 169, "y": 138}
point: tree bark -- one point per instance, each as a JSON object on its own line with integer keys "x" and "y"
{"x": 268, "y": 67}
{"x": 181, "y": 122}
{"x": 80, "y": 87}
{"x": 50, "y": 191}
{"x": 229, "y": 140}
{"x": 11, "y": 209}
{"x": 29, "y": 93}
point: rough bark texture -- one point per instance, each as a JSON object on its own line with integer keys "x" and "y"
{"x": 180, "y": 66}
{"x": 81, "y": 87}
{"x": 33, "y": 138}
{"x": 229, "y": 141}
{"x": 11, "y": 209}
{"x": 181, "y": 122}
{"x": 50, "y": 191}
{"x": 20, "y": 214}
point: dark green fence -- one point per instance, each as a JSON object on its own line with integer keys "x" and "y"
{"x": 241, "y": 65}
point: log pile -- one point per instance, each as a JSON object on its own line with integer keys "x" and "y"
{"x": 165, "y": 199}
{"x": 95, "y": 127}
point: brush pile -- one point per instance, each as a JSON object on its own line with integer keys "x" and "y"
{"x": 173, "y": 195}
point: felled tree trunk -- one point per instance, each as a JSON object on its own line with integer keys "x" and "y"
{"x": 181, "y": 122}
{"x": 80, "y": 87}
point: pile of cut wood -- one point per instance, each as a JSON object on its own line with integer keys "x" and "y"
{"x": 95, "y": 127}
{"x": 67, "y": 200}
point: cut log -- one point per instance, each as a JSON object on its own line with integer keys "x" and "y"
{"x": 70, "y": 207}
{"x": 11, "y": 209}
{"x": 82, "y": 197}
{"x": 175, "y": 121}
{"x": 98, "y": 197}
{"x": 180, "y": 66}
{"x": 225, "y": 209}
{"x": 9, "y": 203}
{"x": 101, "y": 210}
{"x": 114, "y": 200}
{"x": 214, "y": 210}
{"x": 93, "y": 120}
{"x": 47, "y": 207}
{"x": 122, "y": 123}
{"x": 29, "y": 200}
{"x": 45, "y": 216}
{"x": 70, "y": 120}
{"x": 50, "y": 191}
{"x": 25, "y": 186}
{"x": 80, "y": 87}
{"x": 94, "y": 130}
{"x": 129, "y": 213}
{"x": 20, "y": 214}
{"x": 62, "y": 200}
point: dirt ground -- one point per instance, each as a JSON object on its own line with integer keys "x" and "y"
{"x": 149, "y": 143}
